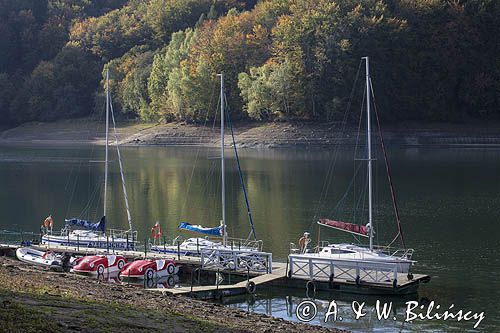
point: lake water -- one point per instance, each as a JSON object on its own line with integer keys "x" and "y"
{"x": 448, "y": 198}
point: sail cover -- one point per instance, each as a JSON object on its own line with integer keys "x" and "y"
{"x": 99, "y": 226}
{"x": 198, "y": 228}
{"x": 344, "y": 226}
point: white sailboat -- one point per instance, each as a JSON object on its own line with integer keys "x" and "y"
{"x": 193, "y": 246}
{"x": 352, "y": 252}
{"x": 83, "y": 233}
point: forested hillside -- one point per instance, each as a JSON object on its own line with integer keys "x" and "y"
{"x": 432, "y": 60}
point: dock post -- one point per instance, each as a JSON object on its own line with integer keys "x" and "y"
{"x": 217, "y": 279}
{"x": 311, "y": 269}
{"x": 178, "y": 250}
{"x": 107, "y": 243}
{"x": 286, "y": 269}
{"x": 145, "y": 248}
{"x": 197, "y": 245}
{"x": 164, "y": 244}
{"x": 191, "y": 281}
{"x": 113, "y": 242}
{"x": 68, "y": 241}
{"x": 78, "y": 242}
{"x": 127, "y": 242}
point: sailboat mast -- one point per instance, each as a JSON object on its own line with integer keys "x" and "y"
{"x": 107, "y": 142}
{"x": 222, "y": 159}
{"x": 369, "y": 148}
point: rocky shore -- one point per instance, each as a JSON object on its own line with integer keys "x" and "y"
{"x": 251, "y": 135}
{"x": 37, "y": 300}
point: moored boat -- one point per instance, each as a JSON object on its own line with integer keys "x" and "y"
{"x": 193, "y": 246}
{"x": 43, "y": 258}
{"x": 370, "y": 254}
{"x": 100, "y": 264}
{"x": 85, "y": 233}
{"x": 149, "y": 269}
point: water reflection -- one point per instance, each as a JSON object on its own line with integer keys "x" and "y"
{"x": 284, "y": 303}
{"x": 165, "y": 282}
{"x": 448, "y": 200}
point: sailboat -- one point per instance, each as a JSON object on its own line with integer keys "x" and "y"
{"x": 84, "y": 233}
{"x": 193, "y": 246}
{"x": 353, "y": 252}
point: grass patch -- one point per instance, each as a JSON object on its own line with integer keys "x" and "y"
{"x": 17, "y": 317}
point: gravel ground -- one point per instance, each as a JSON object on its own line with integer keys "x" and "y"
{"x": 36, "y": 300}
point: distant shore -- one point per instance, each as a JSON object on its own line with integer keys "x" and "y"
{"x": 248, "y": 135}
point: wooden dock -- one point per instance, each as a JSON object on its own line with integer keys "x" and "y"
{"x": 220, "y": 291}
{"x": 283, "y": 275}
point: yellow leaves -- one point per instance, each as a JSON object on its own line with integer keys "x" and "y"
{"x": 345, "y": 45}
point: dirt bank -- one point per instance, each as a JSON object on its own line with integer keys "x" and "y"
{"x": 34, "y": 300}
{"x": 250, "y": 135}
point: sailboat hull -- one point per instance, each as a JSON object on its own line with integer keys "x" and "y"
{"x": 88, "y": 242}
{"x": 353, "y": 253}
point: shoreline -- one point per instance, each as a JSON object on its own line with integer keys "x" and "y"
{"x": 67, "y": 296}
{"x": 302, "y": 135}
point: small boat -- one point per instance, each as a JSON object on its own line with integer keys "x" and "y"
{"x": 88, "y": 234}
{"x": 149, "y": 269}
{"x": 100, "y": 264}
{"x": 41, "y": 258}
{"x": 351, "y": 252}
{"x": 193, "y": 246}
{"x": 371, "y": 254}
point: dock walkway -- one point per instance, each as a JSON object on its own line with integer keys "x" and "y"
{"x": 352, "y": 280}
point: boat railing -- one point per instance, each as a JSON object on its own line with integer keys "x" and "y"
{"x": 391, "y": 251}
{"x": 237, "y": 260}
{"x": 112, "y": 239}
{"x": 233, "y": 243}
{"x": 239, "y": 243}
{"x": 323, "y": 269}
{"x": 403, "y": 253}
{"x": 131, "y": 235}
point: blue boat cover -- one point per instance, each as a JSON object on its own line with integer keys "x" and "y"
{"x": 198, "y": 228}
{"x": 99, "y": 226}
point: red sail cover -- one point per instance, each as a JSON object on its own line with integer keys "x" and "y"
{"x": 349, "y": 227}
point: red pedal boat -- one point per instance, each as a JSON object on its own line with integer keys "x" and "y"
{"x": 100, "y": 264}
{"x": 149, "y": 269}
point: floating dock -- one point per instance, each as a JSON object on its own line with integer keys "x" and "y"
{"x": 311, "y": 275}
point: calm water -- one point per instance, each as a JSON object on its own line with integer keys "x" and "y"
{"x": 448, "y": 198}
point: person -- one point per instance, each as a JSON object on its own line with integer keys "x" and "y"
{"x": 304, "y": 242}
{"x": 48, "y": 223}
